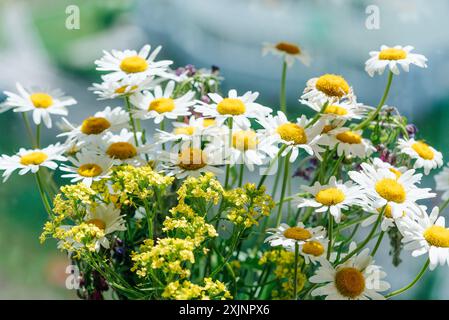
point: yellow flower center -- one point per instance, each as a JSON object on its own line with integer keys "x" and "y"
{"x": 423, "y": 150}
{"x": 244, "y": 140}
{"x": 89, "y": 170}
{"x": 387, "y": 212}
{"x": 288, "y": 47}
{"x": 390, "y": 190}
{"x": 231, "y": 106}
{"x": 33, "y": 158}
{"x": 121, "y": 150}
{"x": 392, "y": 54}
{"x": 327, "y": 128}
{"x": 208, "y": 122}
{"x": 95, "y": 125}
{"x": 41, "y": 100}
{"x": 134, "y": 64}
{"x": 313, "y": 248}
{"x": 332, "y": 85}
{"x": 188, "y": 130}
{"x": 162, "y": 105}
{"x": 122, "y": 89}
{"x": 292, "y": 132}
{"x": 349, "y": 137}
{"x": 330, "y": 196}
{"x": 396, "y": 172}
{"x": 350, "y": 282}
{"x": 297, "y": 233}
{"x": 437, "y": 236}
{"x": 100, "y": 224}
{"x": 336, "y": 110}
{"x": 192, "y": 159}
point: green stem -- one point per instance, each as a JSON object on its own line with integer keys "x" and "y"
{"x": 228, "y": 166}
{"x": 283, "y": 99}
{"x": 411, "y": 284}
{"x": 38, "y": 136}
{"x": 368, "y": 120}
{"x": 42, "y": 194}
{"x": 330, "y": 233}
{"x": 444, "y": 205}
{"x": 379, "y": 241}
{"x": 131, "y": 120}
{"x": 284, "y": 187}
{"x": 295, "y": 284}
{"x": 28, "y": 127}
{"x": 318, "y": 115}
{"x": 242, "y": 170}
{"x": 272, "y": 162}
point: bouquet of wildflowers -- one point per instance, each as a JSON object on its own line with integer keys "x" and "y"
{"x": 181, "y": 191}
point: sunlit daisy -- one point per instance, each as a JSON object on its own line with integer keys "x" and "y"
{"x": 315, "y": 250}
{"x": 383, "y": 187}
{"x": 348, "y": 142}
{"x": 295, "y": 135}
{"x": 426, "y": 156}
{"x": 379, "y": 164}
{"x": 388, "y": 221}
{"x": 194, "y": 128}
{"x": 328, "y": 88}
{"x": 132, "y": 65}
{"x": 356, "y": 279}
{"x": 344, "y": 110}
{"x": 426, "y": 234}
{"x": 88, "y": 167}
{"x": 442, "y": 182}
{"x": 287, "y": 51}
{"x": 334, "y": 196}
{"x": 114, "y": 89}
{"x": 393, "y": 58}
{"x": 42, "y": 103}
{"x": 160, "y": 104}
{"x": 239, "y": 108}
{"x": 31, "y": 160}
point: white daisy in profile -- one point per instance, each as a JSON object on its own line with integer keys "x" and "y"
{"x": 42, "y": 103}
{"x": 348, "y": 142}
{"x": 115, "y": 89}
{"x": 87, "y": 168}
{"x": 160, "y": 104}
{"x": 330, "y": 88}
{"x": 194, "y": 128}
{"x": 426, "y": 156}
{"x": 334, "y": 196}
{"x": 31, "y": 160}
{"x": 107, "y": 218}
{"x": 393, "y": 57}
{"x": 344, "y": 110}
{"x": 426, "y": 234}
{"x": 442, "y": 183}
{"x": 287, "y": 236}
{"x": 132, "y": 65}
{"x": 383, "y": 187}
{"x": 94, "y": 127}
{"x": 388, "y": 221}
{"x": 356, "y": 279}
{"x": 190, "y": 161}
{"x": 295, "y": 135}
{"x": 315, "y": 250}
{"x": 239, "y": 108}
{"x": 288, "y": 51}
{"x": 379, "y": 164}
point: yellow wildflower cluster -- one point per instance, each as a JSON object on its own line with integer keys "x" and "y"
{"x": 248, "y": 204}
{"x": 205, "y": 187}
{"x": 212, "y": 290}
{"x": 75, "y": 194}
{"x": 284, "y": 262}
{"x": 76, "y": 239}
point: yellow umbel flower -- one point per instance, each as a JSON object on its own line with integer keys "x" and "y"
{"x": 212, "y": 290}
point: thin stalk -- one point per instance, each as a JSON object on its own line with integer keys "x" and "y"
{"x": 284, "y": 187}
{"x": 28, "y": 127}
{"x": 444, "y": 205}
{"x": 228, "y": 166}
{"x": 411, "y": 284}
{"x": 42, "y": 194}
{"x": 379, "y": 241}
{"x": 330, "y": 230}
{"x": 242, "y": 170}
{"x": 295, "y": 284}
{"x": 131, "y": 120}
{"x": 265, "y": 174}
{"x": 283, "y": 100}
{"x": 38, "y": 136}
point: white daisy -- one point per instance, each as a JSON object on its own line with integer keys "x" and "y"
{"x": 348, "y": 142}
{"x": 334, "y": 196}
{"x": 31, "y": 160}
{"x": 383, "y": 187}
{"x": 295, "y": 135}
{"x": 426, "y": 234}
{"x": 287, "y": 236}
{"x": 132, "y": 65}
{"x": 328, "y": 88}
{"x": 344, "y": 110}
{"x": 379, "y": 164}
{"x": 315, "y": 250}
{"x": 239, "y": 108}
{"x": 42, "y": 103}
{"x": 160, "y": 104}
{"x": 356, "y": 279}
{"x": 194, "y": 128}
{"x": 442, "y": 182}
{"x": 88, "y": 167}
{"x": 393, "y": 58}
{"x": 388, "y": 221}
{"x": 289, "y": 52}
{"x": 426, "y": 156}
{"x": 114, "y": 89}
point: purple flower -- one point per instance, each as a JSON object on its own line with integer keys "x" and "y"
{"x": 411, "y": 130}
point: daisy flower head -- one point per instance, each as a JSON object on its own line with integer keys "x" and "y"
{"x": 193, "y": 128}
{"x": 334, "y": 196}
{"x": 31, "y": 160}
{"x": 380, "y": 164}
{"x": 393, "y": 57}
{"x": 132, "y": 65}
{"x": 288, "y": 237}
{"x": 343, "y": 110}
{"x": 239, "y": 108}
{"x": 348, "y": 142}
{"x": 328, "y": 88}
{"x": 388, "y": 221}
{"x": 385, "y": 188}
{"x": 87, "y": 167}
{"x": 42, "y": 103}
{"x": 288, "y": 51}
{"x": 425, "y": 155}
{"x": 294, "y": 135}
{"x": 160, "y": 104}
{"x": 94, "y": 127}
{"x": 426, "y": 234}
{"x": 356, "y": 279}
{"x": 442, "y": 183}
{"x": 115, "y": 89}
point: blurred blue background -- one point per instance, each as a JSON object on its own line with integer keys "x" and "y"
{"x": 37, "y": 49}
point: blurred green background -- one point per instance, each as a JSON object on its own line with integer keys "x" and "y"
{"x": 36, "y": 48}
